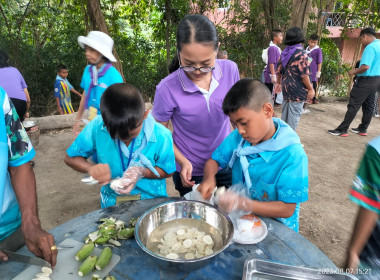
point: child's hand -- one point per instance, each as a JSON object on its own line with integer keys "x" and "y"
{"x": 76, "y": 129}
{"x": 230, "y": 201}
{"x": 100, "y": 172}
{"x": 130, "y": 178}
{"x": 206, "y": 188}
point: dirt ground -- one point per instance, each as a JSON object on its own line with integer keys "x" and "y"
{"x": 326, "y": 219}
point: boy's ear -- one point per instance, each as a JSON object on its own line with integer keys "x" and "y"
{"x": 268, "y": 110}
{"x": 146, "y": 113}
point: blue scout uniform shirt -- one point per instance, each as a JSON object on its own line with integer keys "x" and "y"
{"x": 95, "y": 139}
{"x": 112, "y": 76}
{"x": 62, "y": 91}
{"x": 371, "y": 58}
{"x": 15, "y": 150}
{"x": 277, "y": 172}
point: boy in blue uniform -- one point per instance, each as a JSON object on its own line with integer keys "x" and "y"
{"x": 62, "y": 88}
{"x": 128, "y": 143}
{"x": 265, "y": 155}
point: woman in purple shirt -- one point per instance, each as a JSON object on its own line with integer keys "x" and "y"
{"x": 191, "y": 98}
{"x": 14, "y": 84}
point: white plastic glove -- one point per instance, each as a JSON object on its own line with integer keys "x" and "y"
{"x": 273, "y": 79}
{"x": 230, "y": 201}
{"x": 318, "y": 75}
{"x": 129, "y": 180}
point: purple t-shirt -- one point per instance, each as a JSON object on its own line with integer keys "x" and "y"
{"x": 197, "y": 132}
{"x": 13, "y": 82}
{"x": 316, "y": 55}
{"x": 273, "y": 57}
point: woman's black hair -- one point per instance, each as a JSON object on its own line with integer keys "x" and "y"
{"x": 122, "y": 108}
{"x": 294, "y": 36}
{"x": 3, "y": 59}
{"x": 195, "y": 28}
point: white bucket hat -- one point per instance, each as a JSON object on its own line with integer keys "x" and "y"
{"x": 99, "y": 41}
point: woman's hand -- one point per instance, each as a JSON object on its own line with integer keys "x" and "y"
{"x": 186, "y": 174}
{"x": 100, "y": 172}
{"x": 310, "y": 95}
{"x": 26, "y": 114}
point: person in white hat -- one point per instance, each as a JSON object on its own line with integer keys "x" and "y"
{"x": 97, "y": 76}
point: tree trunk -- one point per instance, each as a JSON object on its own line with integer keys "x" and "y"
{"x": 98, "y": 22}
{"x": 269, "y": 14}
{"x": 324, "y": 6}
{"x": 167, "y": 31}
{"x": 300, "y": 14}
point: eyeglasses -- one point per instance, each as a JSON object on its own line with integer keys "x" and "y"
{"x": 203, "y": 69}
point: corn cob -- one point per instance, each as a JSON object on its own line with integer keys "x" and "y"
{"x": 85, "y": 251}
{"x": 87, "y": 266}
{"x": 104, "y": 258}
{"x": 96, "y": 277}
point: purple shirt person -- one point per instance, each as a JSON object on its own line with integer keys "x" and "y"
{"x": 274, "y": 53}
{"x": 14, "y": 84}
{"x": 191, "y": 98}
{"x": 315, "y": 53}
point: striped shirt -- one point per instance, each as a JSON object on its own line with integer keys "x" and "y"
{"x": 62, "y": 91}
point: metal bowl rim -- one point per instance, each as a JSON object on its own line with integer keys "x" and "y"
{"x": 29, "y": 123}
{"x": 142, "y": 246}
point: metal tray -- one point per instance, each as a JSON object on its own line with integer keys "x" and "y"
{"x": 264, "y": 270}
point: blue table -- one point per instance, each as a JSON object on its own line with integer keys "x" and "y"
{"x": 281, "y": 245}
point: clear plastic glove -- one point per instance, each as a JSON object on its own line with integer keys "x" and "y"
{"x": 273, "y": 79}
{"x": 318, "y": 75}
{"x": 230, "y": 201}
{"x": 129, "y": 180}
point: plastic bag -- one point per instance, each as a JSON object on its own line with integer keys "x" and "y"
{"x": 196, "y": 195}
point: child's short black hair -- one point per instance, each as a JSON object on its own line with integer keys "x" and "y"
{"x": 294, "y": 36}
{"x": 275, "y": 32}
{"x": 314, "y": 37}
{"x": 61, "y": 67}
{"x": 122, "y": 107}
{"x": 368, "y": 31}
{"x": 248, "y": 93}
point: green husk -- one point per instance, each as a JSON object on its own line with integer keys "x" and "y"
{"x": 126, "y": 233}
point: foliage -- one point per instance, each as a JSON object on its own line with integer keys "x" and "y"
{"x": 40, "y": 34}
{"x": 334, "y": 73}
{"x": 359, "y": 13}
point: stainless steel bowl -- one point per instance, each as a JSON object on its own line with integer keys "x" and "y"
{"x": 171, "y": 211}
{"x": 29, "y": 124}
